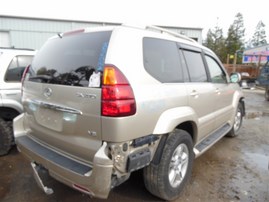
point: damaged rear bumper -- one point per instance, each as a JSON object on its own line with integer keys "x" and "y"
{"x": 94, "y": 180}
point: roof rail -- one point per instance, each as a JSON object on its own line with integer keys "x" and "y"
{"x": 162, "y": 30}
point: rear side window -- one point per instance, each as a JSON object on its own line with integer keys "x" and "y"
{"x": 70, "y": 60}
{"x": 196, "y": 66}
{"x": 16, "y": 68}
{"x": 161, "y": 60}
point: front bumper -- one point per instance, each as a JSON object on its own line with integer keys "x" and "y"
{"x": 94, "y": 180}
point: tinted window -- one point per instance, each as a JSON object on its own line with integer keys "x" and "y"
{"x": 216, "y": 73}
{"x": 16, "y": 68}
{"x": 196, "y": 66}
{"x": 70, "y": 60}
{"x": 161, "y": 60}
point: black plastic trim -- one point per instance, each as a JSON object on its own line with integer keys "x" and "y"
{"x": 158, "y": 154}
{"x": 52, "y": 156}
{"x": 144, "y": 140}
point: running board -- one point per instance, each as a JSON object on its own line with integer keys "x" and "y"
{"x": 210, "y": 140}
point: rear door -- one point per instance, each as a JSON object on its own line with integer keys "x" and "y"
{"x": 201, "y": 93}
{"x": 61, "y": 99}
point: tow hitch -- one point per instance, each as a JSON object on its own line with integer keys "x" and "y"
{"x": 37, "y": 169}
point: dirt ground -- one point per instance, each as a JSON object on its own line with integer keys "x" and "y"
{"x": 234, "y": 169}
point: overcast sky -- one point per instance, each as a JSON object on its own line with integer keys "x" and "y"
{"x": 190, "y": 13}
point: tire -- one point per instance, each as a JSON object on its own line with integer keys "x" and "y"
{"x": 6, "y": 137}
{"x": 238, "y": 120}
{"x": 10, "y": 125}
{"x": 176, "y": 162}
{"x": 266, "y": 94}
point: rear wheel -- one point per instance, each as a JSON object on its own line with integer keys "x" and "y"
{"x": 6, "y": 137}
{"x": 167, "y": 179}
{"x": 238, "y": 119}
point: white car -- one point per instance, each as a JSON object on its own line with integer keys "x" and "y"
{"x": 12, "y": 64}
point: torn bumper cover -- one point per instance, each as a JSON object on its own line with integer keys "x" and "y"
{"x": 36, "y": 169}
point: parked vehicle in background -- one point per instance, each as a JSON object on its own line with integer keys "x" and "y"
{"x": 101, "y": 103}
{"x": 12, "y": 64}
{"x": 263, "y": 79}
{"x": 247, "y": 81}
{"x": 248, "y": 73}
{"x": 266, "y": 95}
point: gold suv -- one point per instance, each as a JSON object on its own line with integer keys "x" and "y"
{"x": 103, "y": 102}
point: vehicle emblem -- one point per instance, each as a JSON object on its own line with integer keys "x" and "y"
{"x": 47, "y": 92}
{"x": 86, "y": 95}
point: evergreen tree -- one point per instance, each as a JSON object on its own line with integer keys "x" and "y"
{"x": 259, "y": 37}
{"x": 215, "y": 42}
{"x": 209, "y": 41}
{"x": 248, "y": 44}
{"x": 235, "y": 39}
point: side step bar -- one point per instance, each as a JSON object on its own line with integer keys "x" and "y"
{"x": 210, "y": 140}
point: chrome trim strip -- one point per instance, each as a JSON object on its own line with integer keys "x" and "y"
{"x": 55, "y": 107}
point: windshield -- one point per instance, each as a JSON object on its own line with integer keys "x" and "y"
{"x": 70, "y": 60}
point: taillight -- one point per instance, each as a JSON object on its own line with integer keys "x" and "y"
{"x": 26, "y": 70}
{"x": 117, "y": 95}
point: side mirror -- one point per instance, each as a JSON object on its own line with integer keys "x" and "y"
{"x": 235, "y": 77}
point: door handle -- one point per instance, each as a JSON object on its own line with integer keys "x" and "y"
{"x": 194, "y": 93}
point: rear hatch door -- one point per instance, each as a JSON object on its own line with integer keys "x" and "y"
{"x": 62, "y": 98}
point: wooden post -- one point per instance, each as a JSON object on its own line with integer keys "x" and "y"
{"x": 228, "y": 59}
{"x": 234, "y": 65}
{"x": 258, "y": 68}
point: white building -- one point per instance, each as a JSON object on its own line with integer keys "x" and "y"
{"x": 25, "y": 32}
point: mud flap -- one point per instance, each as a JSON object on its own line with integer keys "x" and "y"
{"x": 36, "y": 169}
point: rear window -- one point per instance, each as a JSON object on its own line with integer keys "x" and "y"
{"x": 196, "y": 66}
{"x": 70, "y": 60}
{"x": 16, "y": 67}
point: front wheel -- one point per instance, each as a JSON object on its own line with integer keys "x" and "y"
{"x": 238, "y": 120}
{"x": 167, "y": 179}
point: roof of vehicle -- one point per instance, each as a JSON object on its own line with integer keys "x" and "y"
{"x": 13, "y": 48}
{"x": 151, "y": 28}
{"x": 16, "y": 51}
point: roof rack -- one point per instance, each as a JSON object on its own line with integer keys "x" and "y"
{"x": 162, "y": 30}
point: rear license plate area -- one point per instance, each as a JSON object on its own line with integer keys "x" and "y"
{"x": 50, "y": 119}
